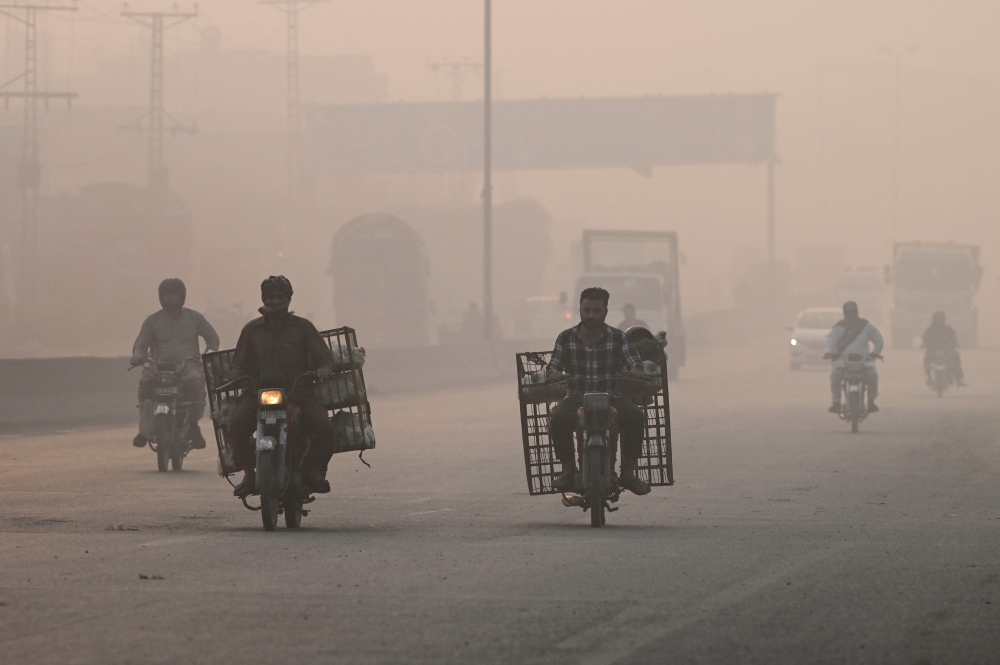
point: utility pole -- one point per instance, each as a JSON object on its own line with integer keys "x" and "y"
{"x": 488, "y": 171}
{"x": 294, "y": 173}
{"x": 29, "y": 171}
{"x": 157, "y": 176}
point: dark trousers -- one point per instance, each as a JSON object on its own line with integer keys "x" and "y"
{"x": 312, "y": 419}
{"x": 954, "y": 359}
{"x": 563, "y": 422}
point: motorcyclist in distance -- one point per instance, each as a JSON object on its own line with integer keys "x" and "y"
{"x": 852, "y": 334}
{"x": 630, "y": 320}
{"x": 594, "y": 353}
{"x": 941, "y": 336}
{"x": 171, "y": 335}
{"x": 280, "y": 341}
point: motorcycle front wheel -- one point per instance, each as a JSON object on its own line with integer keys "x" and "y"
{"x": 854, "y": 410}
{"x": 266, "y": 483}
{"x": 596, "y": 489}
{"x": 293, "y": 515}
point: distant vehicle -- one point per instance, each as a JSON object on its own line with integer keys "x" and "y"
{"x": 544, "y": 317}
{"x": 942, "y": 376}
{"x": 639, "y": 268}
{"x": 809, "y": 335}
{"x": 930, "y": 277}
{"x": 865, "y": 286}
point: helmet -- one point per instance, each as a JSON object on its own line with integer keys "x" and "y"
{"x": 938, "y": 317}
{"x": 172, "y": 285}
{"x": 277, "y": 283}
{"x": 850, "y": 308}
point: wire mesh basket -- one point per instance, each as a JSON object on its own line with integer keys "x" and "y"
{"x": 537, "y": 401}
{"x": 344, "y": 396}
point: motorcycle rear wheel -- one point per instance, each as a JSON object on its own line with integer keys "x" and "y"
{"x": 596, "y": 489}
{"x": 177, "y": 461}
{"x": 266, "y": 485}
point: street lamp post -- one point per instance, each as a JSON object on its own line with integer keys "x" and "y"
{"x": 897, "y": 56}
{"x": 487, "y": 174}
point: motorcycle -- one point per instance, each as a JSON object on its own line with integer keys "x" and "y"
{"x": 854, "y": 406}
{"x": 596, "y": 482}
{"x": 170, "y": 436}
{"x": 279, "y": 470}
{"x": 941, "y": 377}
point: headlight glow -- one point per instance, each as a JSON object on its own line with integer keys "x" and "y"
{"x": 271, "y": 397}
{"x": 795, "y": 342}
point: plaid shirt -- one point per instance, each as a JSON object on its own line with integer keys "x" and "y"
{"x": 595, "y": 365}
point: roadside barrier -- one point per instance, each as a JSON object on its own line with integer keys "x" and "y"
{"x": 71, "y": 393}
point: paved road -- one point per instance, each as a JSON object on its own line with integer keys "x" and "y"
{"x": 785, "y": 539}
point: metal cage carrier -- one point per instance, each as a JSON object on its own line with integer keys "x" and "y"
{"x": 537, "y": 400}
{"x": 343, "y": 395}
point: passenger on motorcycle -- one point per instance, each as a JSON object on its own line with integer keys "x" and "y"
{"x": 630, "y": 319}
{"x": 171, "y": 335}
{"x": 594, "y": 353}
{"x": 941, "y": 337}
{"x": 280, "y": 341}
{"x": 852, "y": 334}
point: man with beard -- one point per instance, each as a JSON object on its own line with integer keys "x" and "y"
{"x": 852, "y": 334}
{"x": 171, "y": 335}
{"x": 594, "y": 354}
{"x": 279, "y": 341}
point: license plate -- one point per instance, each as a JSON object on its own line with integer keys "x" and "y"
{"x": 854, "y": 389}
{"x": 166, "y": 391}
{"x": 272, "y": 417}
{"x": 162, "y": 408}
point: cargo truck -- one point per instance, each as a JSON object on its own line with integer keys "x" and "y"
{"x": 930, "y": 277}
{"x": 638, "y": 268}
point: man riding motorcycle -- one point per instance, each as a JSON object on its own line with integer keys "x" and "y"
{"x": 281, "y": 341}
{"x": 852, "y": 334}
{"x": 941, "y": 337}
{"x": 171, "y": 335}
{"x": 594, "y": 353}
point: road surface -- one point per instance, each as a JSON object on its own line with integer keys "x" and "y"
{"x": 785, "y": 540}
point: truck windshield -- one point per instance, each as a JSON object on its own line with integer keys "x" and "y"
{"x": 934, "y": 273}
{"x": 643, "y": 292}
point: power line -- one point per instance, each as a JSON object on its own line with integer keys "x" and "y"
{"x": 158, "y": 121}
{"x": 29, "y": 171}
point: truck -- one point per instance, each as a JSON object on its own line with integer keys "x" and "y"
{"x": 930, "y": 277}
{"x": 640, "y": 268}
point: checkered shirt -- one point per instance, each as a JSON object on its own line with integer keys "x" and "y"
{"x": 596, "y": 365}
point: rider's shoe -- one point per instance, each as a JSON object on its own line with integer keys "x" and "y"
{"x": 248, "y": 486}
{"x": 566, "y": 481}
{"x": 315, "y": 482}
{"x": 835, "y": 408}
{"x": 634, "y": 484}
{"x": 197, "y": 440}
{"x": 872, "y": 407}
{"x": 139, "y": 441}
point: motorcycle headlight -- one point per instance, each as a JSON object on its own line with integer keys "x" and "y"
{"x": 795, "y": 342}
{"x": 272, "y": 397}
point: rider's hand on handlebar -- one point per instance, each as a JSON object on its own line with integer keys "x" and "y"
{"x": 324, "y": 372}
{"x": 137, "y": 360}
{"x": 637, "y": 373}
{"x": 552, "y": 377}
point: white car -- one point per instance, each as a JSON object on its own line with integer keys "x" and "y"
{"x": 809, "y": 335}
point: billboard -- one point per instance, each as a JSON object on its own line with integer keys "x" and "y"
{"x": 636, "y": 132}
